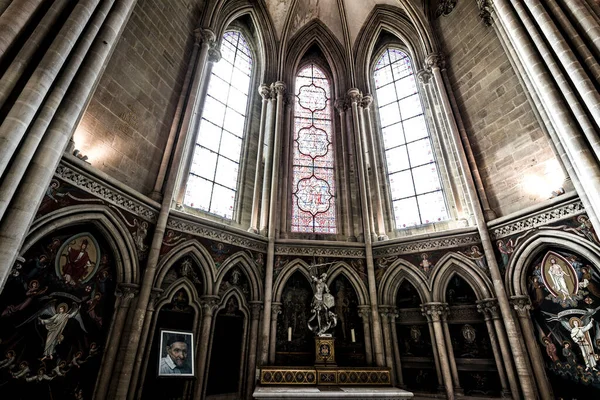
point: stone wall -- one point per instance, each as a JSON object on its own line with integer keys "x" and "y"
{"x": 516, "y": 162}
{"x": 127, "y": 123}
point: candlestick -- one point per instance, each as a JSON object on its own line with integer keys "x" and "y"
{"x": 353, "y": 336}
{"x": 290, "y": 334}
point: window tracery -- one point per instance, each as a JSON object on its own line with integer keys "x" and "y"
{"x": 313, "y": 188}
{"x": 213, "y": 180}
{"x": 415, "y": 185}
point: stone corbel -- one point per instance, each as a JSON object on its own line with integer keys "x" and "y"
{"x": 485, "y": 11}
{"x": 445, "y": 7}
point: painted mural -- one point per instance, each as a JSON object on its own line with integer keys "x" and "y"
{"x": 565, "y": 293}
{"x": 55, "y": 312}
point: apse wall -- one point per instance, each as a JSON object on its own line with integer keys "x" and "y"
{"x": 515, "y": 159}
{"x": 127, "y": 123}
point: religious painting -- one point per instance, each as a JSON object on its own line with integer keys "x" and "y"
{"x": 176, "y": 354}
{"x": 565, "y": 292}
{"x": 55, "y": 313}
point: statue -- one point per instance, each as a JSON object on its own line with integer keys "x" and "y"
{"x": 321, "y": 303}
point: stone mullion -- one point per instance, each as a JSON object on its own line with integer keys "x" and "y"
{"x": 433, "y": 312}
{"x": 341, "y": 106}
{"x": 364, "y": 314}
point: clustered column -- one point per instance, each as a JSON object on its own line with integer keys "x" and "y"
{"x": 364, "y": 312}
{"x": 255, "y": 309}
{"x": 209, "y": 305}
{"x": 434, "y": 311}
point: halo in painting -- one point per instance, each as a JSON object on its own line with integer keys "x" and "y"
{"x": 559, "y": 276}
{"x": 77, "y": 259}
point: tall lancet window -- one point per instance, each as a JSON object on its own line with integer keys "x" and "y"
{"x": 413, "y": 175}
{"x": 213, "y": 180}
{"x": 313, "y": 179}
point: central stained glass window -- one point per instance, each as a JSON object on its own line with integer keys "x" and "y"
{"x": 313, "y": 179}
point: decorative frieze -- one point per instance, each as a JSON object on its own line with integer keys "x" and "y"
{"x": 426, "y": 245}
{"x": 298, "y": 250}
{"x": 410, "y": 316}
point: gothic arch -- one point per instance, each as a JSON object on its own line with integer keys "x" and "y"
{"x": 193, "y": 296}
{"x": 287, "y": 271}
{"x": 416, "y": 38}
{"x": 102, "y": 217}
{"x": 342, "y": 268}
{"x": 250, "y": 269}
{"x": 516, "y": 273}
{"x": 316, "y": 32}
{"x": 201, "y": 256}
{"x": 455, "y": 264}
{"x": 396, "y": 273}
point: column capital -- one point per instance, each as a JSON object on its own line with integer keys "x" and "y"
{"x": 489, "y": 308}
{"x": 275, "y": 310}
{"x": 434, "y": 311}
{"x": 209, "y": 304}
{"x": 279, "y": 88}
{"x": 214, "y": 55}
{"x": 385, "y": 311}
{"x": 522, "y": 304}
{"x": 424, "y": 76}
{"x": 255, "y": 308}
{"x": 155, "y": 294}
{"x": 341, "y": 105}
{"x": 127, "y": 290}
{"x": 354, "y": 95}
{"x": 364, "y": 312}
{"x": 203, "y": 35}
{"x": 445, "y": 7}
{"x": 485, "y": 11}
{"x": 435, "y": 60}
{"x": 366, "y": 100}
{"x": 265, "y": 91}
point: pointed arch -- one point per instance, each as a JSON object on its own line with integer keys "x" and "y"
{"x": 343, "y": 268}
{"x": 540, "y": 241}
{"x": 198, "y": 253}
{"x": 249, "y": 268}
{"x": 399, "y": 271}
{"x": 107, "y": 221}
{"x": 414, "y": 35}
{"x": 316, "y": 33}
{"x": 189, "y": 288}
{"x": 456, "y": 264}
{"x": 242, "y": 302}
{"x": 287, "y": 271}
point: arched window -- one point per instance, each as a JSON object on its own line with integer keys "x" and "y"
{"x": 213, "y": 179}
{"x": 412, "y": 170}
{"x": 313, "y": 188}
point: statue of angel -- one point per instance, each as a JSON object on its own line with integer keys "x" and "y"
{"x": 321, "y": 303}
{"x": 579, "y": 328}
{"x": 57, "y": 320}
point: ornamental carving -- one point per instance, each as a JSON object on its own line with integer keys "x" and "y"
{"x": 293, "y": 250}
{"x": 434, "y": 311}
{"x": 489, "y": 308}
{"x": 445, "y": 7}
{"x": 420, "y": 246}
{"x": 485, "y": 11}
{"x": 522, "y": 304}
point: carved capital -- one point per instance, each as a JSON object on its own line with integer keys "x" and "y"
{"x": 489, "y": 308}
{"x": 385, "y": 312}
{"x": 265, "y": 91}
{"x": 485, "y": 11}
{"x": 275, "y": 310}
{"x": 341, "y": 105}
{"x": 126, "y": 292}
{"x": 424, "y": 76}
{"x": 209, "y": 305}
{"x": 279, "y": 88}
{"x": 214, "y": 55}
{"x": 205, "y": 36}
{"x": 364, "y": 312}
{"x": 522, "y": 304}
{"x": 434, "y": 311}
{"x": 354, "y": 95}
{"x": 366, "y": 101}
{"x": 445, "y": 7}
{"x": 255, "y": 308}
{"x": 435, "y": 60}
{"x": 155, "y": 294}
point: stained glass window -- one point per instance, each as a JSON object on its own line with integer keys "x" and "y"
{"x": 213, "y": 179}
{"x": 414, "y": 179}
{"x": 313, "y": 179}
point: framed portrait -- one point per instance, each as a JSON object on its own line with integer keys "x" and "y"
{"x": 176, "y": 354}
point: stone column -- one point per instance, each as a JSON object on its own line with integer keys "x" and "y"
{"x": 209, "y": 305}
{"x": 489, "y": 308}
{"x": 14, "y": 20}
{"x": 265, "y": 93}
{"x": 433, "y": 312}
{"x": 450, "y": 349}
{"x": 255, "y": 308}
{"x": 436, "y": 357}
{"x": 385, "y": 312}
{"x": 364, "y": 312}
{"x": 365, "y": 104}
{"x": 400, "y": 377}
{"x": 366, "y": 162}
{"x": 354, "y": 97}
{"x": 275, "y": 311}
{"x": 267, "y": 170}
{"x": 341, "y": 105}
{"x": 522, "y": 304}
{"x": 124, "y": 293}
{"x": 585, "y": 17}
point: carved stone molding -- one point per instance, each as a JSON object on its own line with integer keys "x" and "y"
{"x": 522, "y": 304}
{"x": 434, "y": 311}
{"x": 485, "y": 11}
{"x": 541, "y": 218}
{"x": 197, "y": 229}
{"x": 489, "y": 308}
{"x": 463, "y": 314}
{"x": 293, "y": 250}
{"x": 209, "y": 305}
{"x": 445, "y": 7}
{"x": 104, "y": 192}
{"x": 410, "y": 316}
{"x": 426, "y": 245}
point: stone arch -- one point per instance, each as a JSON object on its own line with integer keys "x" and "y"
{"x": 250, "y": 269}
{"x": 288, "y": 270}
{"x": 396, "y": 273}
{"x": 516, "y": 273}
{"x": 455, "y": 264}
{"x": 185, "y": 284}
{"x": 102, "y": 217}
{"x": 342, "y": 268}
{"x": 196, "y": 251}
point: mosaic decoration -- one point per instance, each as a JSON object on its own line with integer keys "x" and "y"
{"x": 55, "y": 313}
{"x": 313, "y": 208}
{"x": 565, "y": 294}
{"x": 213, "y": 179}
{"x": 416, "y": 189}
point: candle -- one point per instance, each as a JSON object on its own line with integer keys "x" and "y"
{"x": 290, "y": 334}
{"x": 353, "y": 336}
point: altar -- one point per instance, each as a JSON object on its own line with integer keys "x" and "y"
{"x": 331, "y": 392}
